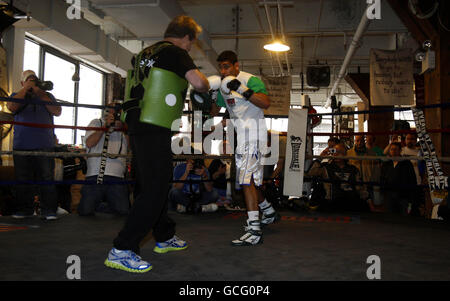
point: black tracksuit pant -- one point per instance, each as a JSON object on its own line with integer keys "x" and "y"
{"x": 151, "y": 147}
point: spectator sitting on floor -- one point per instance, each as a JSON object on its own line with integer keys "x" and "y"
{"x": 201, "y": 195}
{"x": 399, "y": 181}
{"x": 342, "y": 193}
{"x": 217, "y": 169}
{"x": 101, "y": 197}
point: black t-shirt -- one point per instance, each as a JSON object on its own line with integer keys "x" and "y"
{"x": 171, "y": 58}
{"x": 175, "y": 59}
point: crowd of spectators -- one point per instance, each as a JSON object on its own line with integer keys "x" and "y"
{"x": 388, "y": 184}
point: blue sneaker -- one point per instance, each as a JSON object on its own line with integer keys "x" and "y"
{"x": 127, "y": 261}
{"x": 173, "y": 244}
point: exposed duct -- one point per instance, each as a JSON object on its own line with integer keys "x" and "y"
{"x": 126, "y": 5}
{"x": 362, "y": 27}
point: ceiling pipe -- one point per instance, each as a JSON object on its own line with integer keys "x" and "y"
{"x": 362, "y": 27}
{"x": 126, "y": 5}
{"x": 266, "y": 7}
{"x": 316, "y": 41}
{"x": 258, "y": 18}
{"x": 257, "y": 35}
{"x": 280, "y": 16}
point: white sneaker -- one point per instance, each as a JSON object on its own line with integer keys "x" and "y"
{"x": 51, "y": 217}
{"x": 61, "y": 211}
{"x": 252, "y": 236}
{"x": 181, "y": 208}
{"x": 210, "y": 207}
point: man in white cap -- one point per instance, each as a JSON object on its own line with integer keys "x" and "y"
{"x": 34, "y": 168}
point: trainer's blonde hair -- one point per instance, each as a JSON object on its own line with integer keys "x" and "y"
{"x": 181, "y": 26}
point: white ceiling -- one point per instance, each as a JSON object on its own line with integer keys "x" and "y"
{"x": 318, "y": 31}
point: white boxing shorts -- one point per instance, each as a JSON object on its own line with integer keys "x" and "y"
{"x": 248, "y": 164}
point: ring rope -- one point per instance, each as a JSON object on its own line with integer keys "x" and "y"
{"x": 53, "y": 126}
{"x": 225, "y": 157}
{"x": 102, "y": 107}
{"x": 122, "y": 182}
{"x": 434, "y": 131}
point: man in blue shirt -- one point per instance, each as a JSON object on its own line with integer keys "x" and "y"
{"x": 201, "y": 194}
{"x": 34, "y": 168}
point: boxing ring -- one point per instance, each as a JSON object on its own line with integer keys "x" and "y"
{"x": 304, "y": 245}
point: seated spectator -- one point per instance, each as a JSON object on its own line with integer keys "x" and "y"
{"x": 272, "y": 187}
{"x": 369, "y": 169}
{"x": 105, "y": 198}
{"x": 411, "y": 149}
{"x": 217, "y": 169}
{"x": 197, "y": 197}
{"x": 341, "y": 191}
{"x": 399, "y": 181}
{"x": 331, "y": 143}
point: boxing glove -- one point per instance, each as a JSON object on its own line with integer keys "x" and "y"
{"x": 214, "y": 86}
{"x": 214, "y": 82}
{"x": 231, "y": 83}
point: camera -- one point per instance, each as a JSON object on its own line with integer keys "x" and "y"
{"x": 117, "y": 107}
{"x": 198, "y": 164}
{"x": 117, "y": 111}
{"x": 332, "y": 150}
{"x": 44, "y": 85}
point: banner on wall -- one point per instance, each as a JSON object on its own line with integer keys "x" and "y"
{"x": 391, "y": 77}
{"x": 279, "y": 89}
{"x": 295, "y": 152}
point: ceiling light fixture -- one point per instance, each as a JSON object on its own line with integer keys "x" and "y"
{"x": 277, "y": 46}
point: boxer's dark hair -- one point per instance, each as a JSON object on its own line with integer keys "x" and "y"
{"x": 227, "y": 55}
{"x": 181, "y": 26}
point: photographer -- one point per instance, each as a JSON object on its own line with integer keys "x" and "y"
{"x": 106, "y": 198}
{"x": 26, "y": 138}
{"x": 196, "y": 196}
